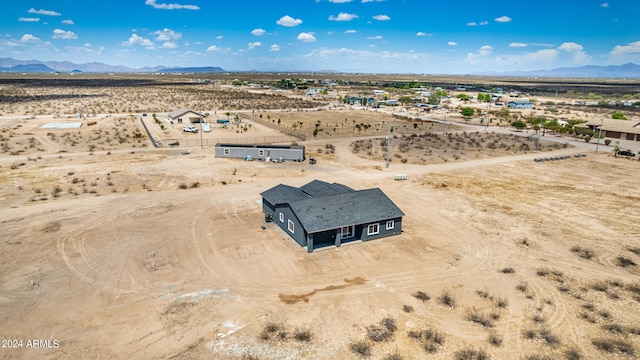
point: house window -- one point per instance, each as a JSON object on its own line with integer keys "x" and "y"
{"x": 227, "y": 151}
{"x": 347, "y": 232}
{"x": 281, "y": 217}
{"x": 290, "y": 226}
{"x": 260, "y": 152}
{"x": 390, "y": 225}
{"x": 373, "y": 229}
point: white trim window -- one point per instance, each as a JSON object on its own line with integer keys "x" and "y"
{"x": 347, "y": 232}
{"x": 373, "y": 229}
{"x": 227, "y": 151}
{"x": 281, "y": 217}
{"x": 290, "y": 226}
{"x": 390, "y": 225}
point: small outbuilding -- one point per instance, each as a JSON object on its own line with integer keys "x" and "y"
{"x": 520, "y": 105}
{"x": 321, "y": 214}
{"x": 180, "y": 115}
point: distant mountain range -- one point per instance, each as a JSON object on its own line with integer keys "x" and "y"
{"x": 627, "y": 71}
{"x": 36, "y": 66}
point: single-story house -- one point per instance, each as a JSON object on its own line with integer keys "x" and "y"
{"x": 322, "y": 214}
{"x": 278, "y": 153}
{"x": 520, "y": 104}
{"x": 615, "y": 129}
{"x": 180, "y": 115}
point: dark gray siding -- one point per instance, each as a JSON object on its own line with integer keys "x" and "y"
{"x": 298, "y": 231}
{"x": 382, "y": 227}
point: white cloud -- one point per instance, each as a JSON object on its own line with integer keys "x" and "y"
{"x": 219, "y": 37}
{"x": 169, "y": 45}
{"x": 624, "y": 50}
{"x": 288, "y": 21}
{"x": 343, "y": 17}
{"x": 64, "y": 35}
{"x": 167, "y": 35}
{"x": 274, "y": 47}
{"x": 452, "y": 43}
{"x": 28, "y": 19}
{"x": 258, "y": 32}
{"x": 420, "y": 33}
{"x": 483, "y": 23}
{"x": 604, "y": 5}
{"x": 214, "y": 48}
{"x": 486, "y": 49}
{"x": 68, "y": 22}
{"x": 517, "y": 45}
{"x": 473, "y": 23}
{"x": 306, "y": 37}
{"x": 381, "y": 17}
{"x": 253, "y": 45}
{"x": 503, "y": 19}
{"x": 570, "y": 46}
{"x": 29, "y": 38}
{"x": 155, "y": 5}
{"x": 44, "y": 12}
{"x": 350, "y": 31}
{"x": 377, "y": 37}
{"x": 340, "y": 1}
{"x": 135, "y": 39}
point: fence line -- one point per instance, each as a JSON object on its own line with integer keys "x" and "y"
{"x": 155, "y": 142}
{"x": 274, "y": 126}
{"x": 212, "y": 142}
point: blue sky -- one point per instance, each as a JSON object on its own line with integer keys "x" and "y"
{"x": 372, "y": 36}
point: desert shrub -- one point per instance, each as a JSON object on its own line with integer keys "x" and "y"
{"x": 544, "y": 335}
{"x": 407, "y": 308}
{"x": 361, "y": 347}
{"x": 470, "y": 354}
{"x": 421, "y": 296}
{"x": 302, "y": 335}
{"x": 382, "y": 332}
{"x": 582, "y": 252}
{"x": 635, "y": 250}
{"x": 522, "y": 287}
{"x": 613, "y": 345}
{"x": 393, "y": 356}
{"x": 501, "y": 302}
{"x": 495, "y": 339}
{"x": 572, "y": 354}
{"x": 447, "y": 299}
{"x": 625, "y": 262}
{"x": 194, "y": 185}
{"x": 182, "y": 186}
{"x": 479, "y": 318}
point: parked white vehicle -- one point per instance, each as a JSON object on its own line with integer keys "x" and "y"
{"x": 191, "y": 129}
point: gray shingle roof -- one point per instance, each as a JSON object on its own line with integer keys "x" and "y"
{"x": 351, "y": 208}
{"x": 282, "y": 194}
{"x": 180, "y": 112}
{"x": 318, "y": 188}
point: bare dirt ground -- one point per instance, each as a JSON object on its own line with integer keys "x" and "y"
{"x": 164, "y": 256}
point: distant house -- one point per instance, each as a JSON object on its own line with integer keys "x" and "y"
{"x": 520, "y": 104}
{"x": 615, "y": 129}
{"x": 278, "y": 153}
{"x": 180, "y": 115}
{"x": 322, "y": 214}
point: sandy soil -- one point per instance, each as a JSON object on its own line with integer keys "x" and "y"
{"x": 149, "y": 253}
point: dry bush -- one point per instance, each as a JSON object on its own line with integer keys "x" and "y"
{"x": 582, "y": 252}
{"x": 421, "y": 296}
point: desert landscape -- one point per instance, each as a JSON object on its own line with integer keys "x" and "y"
{"x": 113, "y": 248}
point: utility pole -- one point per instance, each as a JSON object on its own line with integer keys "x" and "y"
{"x": 600, "y": 131}
{"x": 388, "y": 141}
{"x": 539, "y": 130}
{"x": 486, "y": 125}
{"x": 444, "y": 130}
